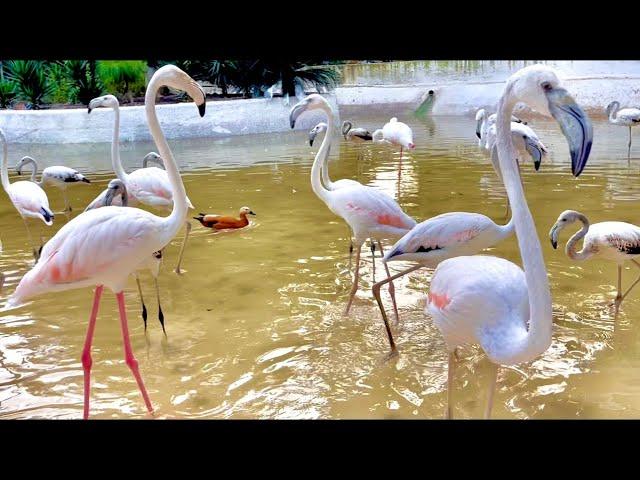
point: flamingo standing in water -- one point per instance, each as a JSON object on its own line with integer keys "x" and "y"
{"x": 29, "y": 198}
{"x": 151, "y": 185}
{"x": 357, "y": 135}
{"x": 627, "y": 117}
{"x": 436, "y": 239}
{"x": 344, "y": 182}
{"x": 491, "y": 301}
{"x": 369, "y": 212}
{"x": 615, "y": 241}
{"x": 116, "y": 194}
{"x": 399, "y": 134}
{"x": 104, "y": 246}
{"x": 57, "y": 176}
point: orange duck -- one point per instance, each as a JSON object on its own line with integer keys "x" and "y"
{"x": 220, "y": 222}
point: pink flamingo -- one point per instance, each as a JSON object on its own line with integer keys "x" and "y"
{"x": 29, "y": 199}
{"x": 399, "y": 134}
{"x": 488, "y": 300}
{"x": 104, "y": 246}
{"x": 369, "y": 212}
{"x": 149, "y": 186}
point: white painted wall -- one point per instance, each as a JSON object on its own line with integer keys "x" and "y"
{"x": 395, "y": 88}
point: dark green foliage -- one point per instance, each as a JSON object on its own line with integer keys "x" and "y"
{"x": 124, "y": 77}
{"x": 85, "y": 84}
{"x": 30, "y": 81}
{"x": 7, "y": 93}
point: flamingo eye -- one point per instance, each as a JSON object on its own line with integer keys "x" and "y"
{"x": 546, "y": 86}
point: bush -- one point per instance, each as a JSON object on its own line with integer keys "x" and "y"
{"x": 30, "y": 81}
{"x": 84, "y": 81}
{"x": 60, "y": 82}
{"x": 7, "y": 93}
{"x": 123, "y": 77}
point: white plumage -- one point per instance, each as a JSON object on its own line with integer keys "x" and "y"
{"x": 627, "y": 117}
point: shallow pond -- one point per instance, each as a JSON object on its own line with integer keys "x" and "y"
{"x": 255, "y": 325}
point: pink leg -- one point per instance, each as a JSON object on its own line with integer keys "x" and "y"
{"x": 399, "y": 173}
{"x": 128, "y": 353}
{"x": 86, "y": 351}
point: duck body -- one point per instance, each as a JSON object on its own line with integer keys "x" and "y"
{"x": 221, "y": 222}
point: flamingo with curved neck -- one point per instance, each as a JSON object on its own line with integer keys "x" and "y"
{"x": 495, "y": 304}
{"x": 369, "y": 212}
{"x": 614, "y": 241}
{"x": 28, "y": 198}
{"x": 626, "y": 117}
{"x": 151, "y": 185}
{"x": 103, "y": 246}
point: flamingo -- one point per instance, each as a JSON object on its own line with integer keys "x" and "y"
{"x": 57, "y": 176}
{"x": 614, "y": 241}
{"x": 524, "y": 140}
{"x": 358, "y": 135}
{"x": 344, "y": 182}
{"x": 399, "y": 134}
{"x": 627, "y": 117}
{"x": 29, "y": 199}
{"x": 102, "y": 247}
{"x": 116, "y": 194}
{"x": 483, "y": 122}
{"x": 488, "y": 300}
{"x": 369, "y": 212}
{"x": 151, "y": 185}
{"x": 436, "y": 239}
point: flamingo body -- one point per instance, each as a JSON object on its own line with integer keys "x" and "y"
{"x": 448, "y": 235}
{"x": 398, "y": 133}
{"x": 30, "y": 200}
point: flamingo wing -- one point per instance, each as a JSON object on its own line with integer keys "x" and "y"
{"x": 59, "y": 174}
{"x": 101, "y": 246}
{"x": 30, "y": 200}
{"x": 448, "y": 231}
{"x": 624, "y": 237}
{"x": 151, "y": 186}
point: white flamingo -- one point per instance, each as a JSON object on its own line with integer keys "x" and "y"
{"x": 369, "y": 212}
{"x": 116, "y": 194}
{"x": 436, "y": 239}
{"x": 627, "y": 117}
{"x": 150, "y": 185}
{"x": 399, "y": 134}
{"x": 617, "y": 242}
{"x": 104, "y": 246}
{"x": 57, "y": 176}
{"x": 344, "y": 182}
{"x": 29, "y": 199}
{"x": 490, "y": 301}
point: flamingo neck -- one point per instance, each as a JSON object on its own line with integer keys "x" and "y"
{"x": 538, "y": 337}
{"x": 116, "y": 163}
{"x": 325, "y": 171}
{"x": 175, "y": 220}
{"x": 321, "y": 158}
{"x": 572, "y": 244}
{"x": 34, "y": 170}
{"x": 4, "y": 173}
{"x": 613, "y": 113}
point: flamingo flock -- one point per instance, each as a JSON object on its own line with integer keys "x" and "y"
{"x": 503, "y": 307}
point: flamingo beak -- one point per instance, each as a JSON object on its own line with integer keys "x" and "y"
{"x": 553, "y": 236}
{"x": 296, "y": 111}
{"x": 575, "y": 125}
{"x": 201, "y": 108}
{"x": 312, "y": 137}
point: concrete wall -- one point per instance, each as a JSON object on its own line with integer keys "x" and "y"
{"x": 460, "y": 89}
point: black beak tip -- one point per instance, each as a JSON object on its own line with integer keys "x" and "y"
{"x": 477, "y": 135}
{"x": 536, "y": 165}
{"x": 89, "y": 110}
{"x": 554, "y": 244}
{"x": 292, "y": 123}
{"x": 311, "y": 143}
{"x": 201, "y": 108}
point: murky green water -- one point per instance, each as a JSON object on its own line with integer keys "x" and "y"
{"x": 255, "y": 326}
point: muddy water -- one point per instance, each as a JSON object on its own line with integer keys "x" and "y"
{"x": 255, "y": 326}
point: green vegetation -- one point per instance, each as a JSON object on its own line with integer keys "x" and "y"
{"x": 126, "y": 77}
{"x": 38, "y": 83}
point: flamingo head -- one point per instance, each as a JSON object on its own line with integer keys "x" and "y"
{"x": 311, "y": 102}
{"x": 480, "y": 114}
{"x": 565, "y": 219}
{"x": 313, "y": 133}
{"x": 23, "y": 161}
{"x": 116, "y": 187}
{"x": 104, "y": 101}
{"x": 152, "y": 157}
{"x": 613, "y": 106}
{"x": 246, "y": 211}
{"x": 173, "y": 77}
{"x": 539, "y": 87}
